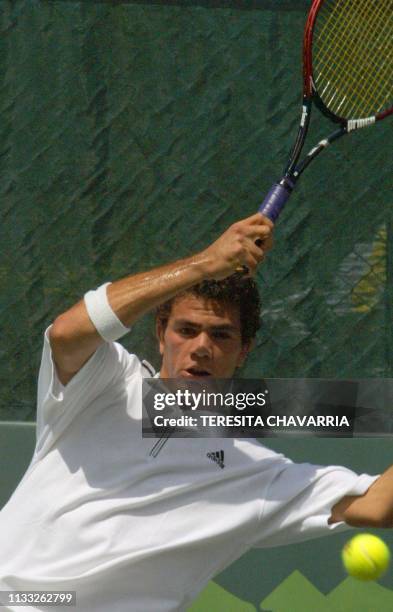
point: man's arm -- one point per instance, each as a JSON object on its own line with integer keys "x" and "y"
{"x": 373, "y": 509}
{"x": 73, "y": 336}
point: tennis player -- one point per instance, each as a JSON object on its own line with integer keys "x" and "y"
{"x": 137, "y": 524}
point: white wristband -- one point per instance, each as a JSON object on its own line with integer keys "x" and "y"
{"x": 107, "y": 324}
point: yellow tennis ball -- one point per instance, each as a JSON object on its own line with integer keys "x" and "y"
{"x": 366, "y": 557}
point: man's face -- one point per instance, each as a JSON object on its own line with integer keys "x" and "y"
{"x": 202, "y": 338}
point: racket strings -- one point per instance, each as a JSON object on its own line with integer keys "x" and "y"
{"x": 353, "y": 56}
{"x": 368, "y": 86}
{"x": 360, "y": 87}
{"x": 377, "y": 72}
{"x": 332, "y": 44}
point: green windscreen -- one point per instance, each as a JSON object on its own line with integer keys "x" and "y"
{"x": 133, "y": 133}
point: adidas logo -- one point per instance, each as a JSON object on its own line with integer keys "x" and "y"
{"x": 218, "y": 457}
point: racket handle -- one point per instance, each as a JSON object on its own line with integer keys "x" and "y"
{"x": 275, "y": 200}
{"x": 272, "y": 205}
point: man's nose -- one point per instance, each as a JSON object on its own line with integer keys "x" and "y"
{"x": 202, "y": 346}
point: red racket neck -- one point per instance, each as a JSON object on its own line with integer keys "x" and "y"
{"x": 307, "y": 48}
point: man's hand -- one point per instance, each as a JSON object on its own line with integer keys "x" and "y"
{"x": 237, "y": 247}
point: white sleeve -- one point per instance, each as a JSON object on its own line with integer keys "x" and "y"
{"x": 299, "y": 500}
{"x": 57, "y": 405}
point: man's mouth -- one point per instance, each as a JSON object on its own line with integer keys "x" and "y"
{"x": 197, "y": 372}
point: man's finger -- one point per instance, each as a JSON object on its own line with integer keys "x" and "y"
{"x": 257, "y": 218}
{"x": 262, "y": 232}
{"x": 258, "y": 252}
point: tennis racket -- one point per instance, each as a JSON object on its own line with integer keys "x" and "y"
{"x": 347, "y": 74}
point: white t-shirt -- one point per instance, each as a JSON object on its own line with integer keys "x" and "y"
{"x": 133, "y": 524}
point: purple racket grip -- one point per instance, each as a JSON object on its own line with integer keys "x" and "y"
{"x": 275, "y": 201}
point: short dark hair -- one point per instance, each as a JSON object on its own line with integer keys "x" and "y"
{"x": 237, "y": 289}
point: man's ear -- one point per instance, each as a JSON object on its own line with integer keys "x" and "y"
{"x": 246, "y": 348}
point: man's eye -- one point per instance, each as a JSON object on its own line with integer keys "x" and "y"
{"x": 186, "y": 331}
{"x": 221, "y": 335}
